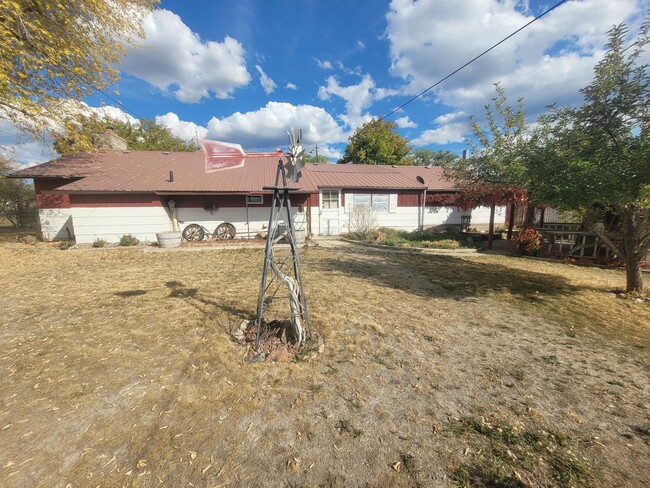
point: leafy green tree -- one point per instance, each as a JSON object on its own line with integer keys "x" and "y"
{"x": 493, "y": 174}
{"x": 54, "y": 50}
{"x": 146, "y": 135}
{"x": 424, "y": 157}
{"x": 377, "y": 142}
{"x": 16, "y": 197}
{"x": 309, "y": 158}
{"x": 598, "y": 155}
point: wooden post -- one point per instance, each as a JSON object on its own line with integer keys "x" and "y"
{"x": 511, "y": 222}
{"x": 491, "y": 226}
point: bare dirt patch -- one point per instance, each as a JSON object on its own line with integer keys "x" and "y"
{"x": 119, "y": 369}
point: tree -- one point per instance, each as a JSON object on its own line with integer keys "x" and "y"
{"x": 146, "y": 135}
{"x": 377, "y": 142}
{"x": 53, "y": 51}
{"x": 15, "y": 196}
{"x": 597, "y": 156}
{"x": 493, "y": 174}
{"x": 308, "y": 158}
{"x": 424, "y": 157}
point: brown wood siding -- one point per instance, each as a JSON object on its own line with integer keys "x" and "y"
{"x": 409, "y": 199}
{"x": 49, "y": 200}
{"x": 230, "y": 201}
{"x": 115, "y": 200}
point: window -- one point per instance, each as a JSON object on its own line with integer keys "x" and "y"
{"x": 378, "y": 202}
{"x": 330, "y": 198}
{"x": 361, "y": 200}
{"x": 255, "y": 199}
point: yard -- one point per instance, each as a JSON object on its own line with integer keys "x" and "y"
{"x": 118, "y": 370}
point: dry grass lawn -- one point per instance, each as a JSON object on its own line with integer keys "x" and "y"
{"x": 118, "y": 370}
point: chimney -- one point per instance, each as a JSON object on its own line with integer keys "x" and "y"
{"x": 109, "y": 140}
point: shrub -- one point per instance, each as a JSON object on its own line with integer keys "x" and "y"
{"x": 362, "y": 221}
{"x": 100, "y": 242}
{"x": 30, "y": 239}
{"x": 129, "y": 240}
{"x": 63, "y": 245}
{"x": 528, "y": 241}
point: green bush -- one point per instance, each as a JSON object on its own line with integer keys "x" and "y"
{"x": 129, "y": 240}
{"x": 393, "y": 237}
{"x": 99, "y": 243}
{"x": 63, "y": 245}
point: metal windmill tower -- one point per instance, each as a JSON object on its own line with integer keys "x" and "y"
{"x": 285, "y": 275}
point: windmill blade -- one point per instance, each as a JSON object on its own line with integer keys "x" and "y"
{"x": 294, "y": 155}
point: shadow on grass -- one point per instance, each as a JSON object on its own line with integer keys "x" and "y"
{"x": 205, "y": 305}
{"x": 428, "y": 275}
{"x": 130, "y": 293}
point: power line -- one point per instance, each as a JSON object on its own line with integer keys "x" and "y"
{"x": 473, "y": 59}
{"x": 99, "y": 90}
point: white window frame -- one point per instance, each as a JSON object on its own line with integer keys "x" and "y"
{"x": 330, "y": 200}
{"x": 390, "y": 207}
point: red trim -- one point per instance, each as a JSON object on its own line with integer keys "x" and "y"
{"x": 115, "y": 200}
{"x": 410, "y": 199}
{"x": 48, "y": 200}
{"x": 230, "y": 201}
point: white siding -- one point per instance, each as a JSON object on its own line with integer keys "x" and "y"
{"x": 111, "y": 223}
{"x": 258, "y": 219}
{"x": 402, "y": 218}
{"x": 443, "y": 216}
{"x": 481, "y": 216}
{"x": 56, "y": 224}
{"x": 315, "y": 220}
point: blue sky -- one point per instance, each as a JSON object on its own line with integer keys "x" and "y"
{"x": 245, "y": 71}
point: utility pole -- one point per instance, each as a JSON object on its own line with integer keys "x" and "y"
{"x": 315, "y": 149}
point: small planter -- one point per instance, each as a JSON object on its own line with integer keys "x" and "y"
{"x": 169, "y": 239}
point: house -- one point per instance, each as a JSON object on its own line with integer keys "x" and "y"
{"x": 111, "y": 193}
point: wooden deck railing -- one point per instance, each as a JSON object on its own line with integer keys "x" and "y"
{"x": 567, "y": 240}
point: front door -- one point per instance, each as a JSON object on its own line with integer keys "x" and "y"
{"x": 330, "y": 212}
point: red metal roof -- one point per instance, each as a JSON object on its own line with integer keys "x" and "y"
{"x": 148, "y": 171}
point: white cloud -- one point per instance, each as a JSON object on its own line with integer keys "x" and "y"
{"x": 21, "y": 148}
{"x": 181, "y": 128}
{"x": 324, "y": 64}
{"x": 291, "y": 86}
{"x": 405, "y": 123}
{"x": 103, "y": 112}
{"x": 361, "y": 46}
{"x": 267, "y": 83}
{"x": 450, "y": 128}
{"x": 546, "y": 63}
{"x": 325, "y": 150}
{"x": 175, "y": 59}
{"x": 267, "y": 126}
{"x": 357, "y": 98}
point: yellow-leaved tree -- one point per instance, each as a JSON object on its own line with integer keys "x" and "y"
{"x": 55, "y": 50}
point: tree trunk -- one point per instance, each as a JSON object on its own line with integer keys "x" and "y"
{"x": 511, "y": 222}
{"x": 632, "y": 247}
{"x": 529, "y": 218}
{"x": 491, "y": 227}
{"x": 634, "y": 282}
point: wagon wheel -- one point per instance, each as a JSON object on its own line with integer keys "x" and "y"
{"x": 193, "y": 232}
{"x": 225, "y": 231}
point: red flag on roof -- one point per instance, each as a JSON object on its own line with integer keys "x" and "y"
{"x": 222, "y": 155}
